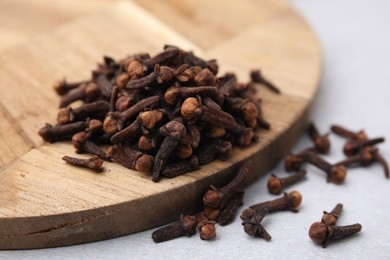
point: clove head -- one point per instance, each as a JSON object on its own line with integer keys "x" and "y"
{"x": 78, "y": 141}
{"x": 212, "y": 198}
{"x": 188, "y": 108}
{"x": 205, "y": 78}
{"x": 295, "y": 197}
{"x": 136, "y": 69}
{"x": 248, "y": 213}
{"x": 319, "y": 233}
{"x": 174, "y": 129}
{"x": 206, "y": 230}
{"x": 322, "y": 143}
{"x": 110, "y": 125}
{"x": 292, "y": 162}
{"x": 274, "y": 184}
{"x": 337, "y": 174}
{"x": 188, "y": 224}
{"x": 144, "y": 163}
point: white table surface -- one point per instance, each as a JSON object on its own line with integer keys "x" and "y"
{"x": 354, "y": 91}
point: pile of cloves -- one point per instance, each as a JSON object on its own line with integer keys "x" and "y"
{"x": 166, "y": 115}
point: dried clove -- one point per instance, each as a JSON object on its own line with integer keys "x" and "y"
{"x": 343, "y": 132}
{"x": 90, "y": 110}
{"x": 81, "y": 143}
{"x": 252, "y": 223}
{"x": 61, "y": 132}
{"x": 94, "y": 163}
{"x": 335, "y": 173}
{"x": 173, "y": 132}
{"x": 322, "y": 233}
{"x": 289, "y": 201}
{"x": 218, "y": 198}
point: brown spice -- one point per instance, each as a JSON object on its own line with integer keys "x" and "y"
{"x": 94, "y": 163}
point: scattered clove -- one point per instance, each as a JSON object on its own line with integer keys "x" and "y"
{"x": 252, "y": 223}
{"x": 289, "y": 201}
{"x": 94, "y": 163}
{"x": 322, "y": 233}
{"x": 335, "y": 173}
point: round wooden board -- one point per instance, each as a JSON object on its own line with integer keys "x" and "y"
{"x": 46, "y": 203}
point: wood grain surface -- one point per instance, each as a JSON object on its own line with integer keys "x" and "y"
{"x": 46, "y": 203}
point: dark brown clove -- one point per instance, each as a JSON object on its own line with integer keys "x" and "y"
{"x": 61, "y": 132}
{"x": 205, "y": 78}
{"x": 94, "y": 163}
{"x": 290, "y": 201}
{"x": 135, "y": 110}
{"x": 335, "y": 173}
{"x": 192, "y": 109}
{"x": 218, "y": 198}
{"x": 81, "y": 143}
{"x": 89, "y": 110}
{"x": 322, "y": 233}
{"x": 252, "y": 223}
{"x": 343, "y": 132}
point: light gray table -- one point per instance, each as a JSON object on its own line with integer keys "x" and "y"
{"x": 355, "y": 37}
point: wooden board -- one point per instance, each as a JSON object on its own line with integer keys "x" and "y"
{"x": 22, "y": 19}
{"x": 46, "y": 203}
